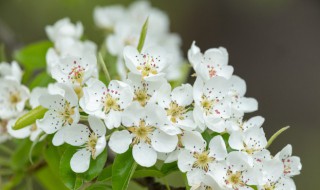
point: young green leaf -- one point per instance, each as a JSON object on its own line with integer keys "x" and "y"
{"x": 33, "y": 56}
{"x": 20, "y": 157}
{"x": 96, "y": 166}
{"x": 30, "y": 117}
{"x": 41, "y": 80}
{"x": 273, "y": 137}
{"x": 143, "y": 35}
{"x": 106, "y": 174}
{"x": 169, "y": 168}
{"x": 122, "y": 170}
{"x": 148, "y": 172}
{"x": 52, "y": 157}
{"x": 70, "y": 179}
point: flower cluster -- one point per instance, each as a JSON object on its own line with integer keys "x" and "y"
{"x": 199, "y": 126}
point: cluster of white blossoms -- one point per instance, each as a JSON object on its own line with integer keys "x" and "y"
{"x": 123, "y": 27}
{"x": 199, "y": 126}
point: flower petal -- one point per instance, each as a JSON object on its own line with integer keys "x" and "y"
{"x": 119, "y": 141}
{"x": 144, "y": 154}
{"x": 80, "y": 161}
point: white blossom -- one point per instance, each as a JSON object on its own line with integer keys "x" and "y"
{"x": 13, "y": 97}
{"x": 107, "y": 103}
{"x": 91, "y": 139}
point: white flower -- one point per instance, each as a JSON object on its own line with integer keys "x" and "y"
{"x": 144, "y": 91}
{"x": 176, "y": 104}
{"x": 107, "y": 17}
{"x": 239, "y": 103}
{"x": 211, "y": 108}
{"x": 64, "y": 28}
{"x": 240, "y": 125}
{"x": 106, "y": 103}
{"x": 10, "y": 71}
{"x": 199, "y": 159}
{"x": 291, "y": 164}
{"x": 62, "y": 112}
{"x": 143, "y": 134}
{"x": 282, "y": 184}
{"x": 214, "y": 62}
{"x": 75, "y": 70}
{"x": 150, "y": 64}
{"x": 203, "y": 181}
{"x": 92, "y": 140}
{"x": 251, "y": 141}
{"x": 189, "y": 140}
{"x": 236, "y": 173}
{"x": 66, "y": 47}
{"x": 13, "y": 97}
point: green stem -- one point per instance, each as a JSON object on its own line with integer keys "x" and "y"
{"x": 104, "y": 68}
{"x": 273, "y": 137}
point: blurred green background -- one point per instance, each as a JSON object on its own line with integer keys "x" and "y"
{"x": 273, "y": 44}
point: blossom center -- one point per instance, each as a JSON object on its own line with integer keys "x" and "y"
{"x": 202, "y": 160}
{"x": 110, "y": 103}
{"x": 212, "y": 71}
{"x": 76, "y": 74}
{"x": 176, "y": 112}
{"x": 68, "y": 113}
{"x": 91, "y": 144}
{"x": 234, "y": 179}
{"x": 207, "y": 104}
{"x": 142, "y": 97}
{"x": 14, "y": 98}
{"x": 148, "y": 67}
{"x": 141, "y": 133}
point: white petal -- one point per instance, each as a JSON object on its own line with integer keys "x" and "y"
{"x": 131, "y": 115}
{"x": 163, "y": 142}
{"x": 58, "y": 138}
{"x": 144, "y": 154}
{"x": 120, "y": 141}
{"x": 113, "y": 119}
{"x": 239, "y": 161}
{"x": 218, "y": 148}
{"x": 20, "y": 134}
{"x": 77, "y": 134}
{"x": 97, "y": 126}
{"x": 80, "y": 161}
{"x": 185, "y": 160}
{"x": 182, "y": 95}
{"x": 236, "y": 141}
{"x": 51, "y": 122}
{"x": 254, "y": 121}
{"x": 193, "y": 141}
{"x": 100, "y": 146}
{"x": 132, "y": 58}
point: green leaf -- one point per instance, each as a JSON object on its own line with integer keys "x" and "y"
{"x": 143, "y": 35}
{"x": 70, "y": 179}
{"x": 106, "y": 174}
{"x": 20, "y": 156}
{"x": 168, "y": 168}
{"x": 41, "y": 80}
{"x": 52, "y": 157}
{"x": 30, "y": 117}
{"x": 96, "y": 166}
{"x": 48, "y": 180}
{"x": 33, "y": 56}
{"x": 122, "y": 170}
{"x": 99, "y": 186}
{"x": 148, "y": 172}
{"x": 14, "y": 181}
{"x": 273, "y": 137}
{"x": 185, "y": 180}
